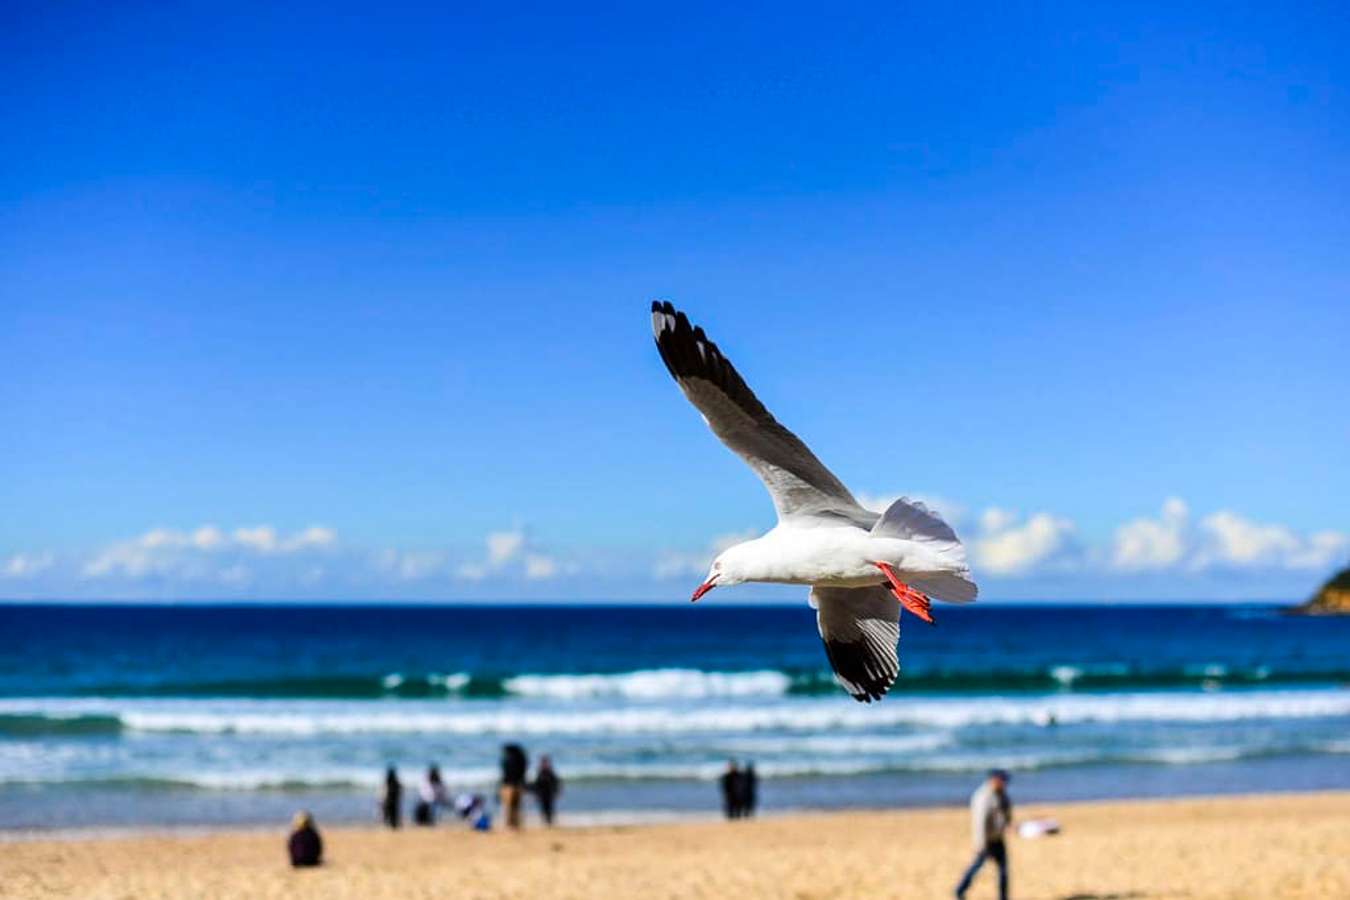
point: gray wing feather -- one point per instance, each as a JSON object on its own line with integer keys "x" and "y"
{"x": 860, "y": 628}
{"x": 798, "y": 482}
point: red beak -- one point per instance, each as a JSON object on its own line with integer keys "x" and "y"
{"x": 702, "y": 589}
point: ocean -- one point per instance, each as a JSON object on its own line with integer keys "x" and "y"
{"x": 189, "y": 715}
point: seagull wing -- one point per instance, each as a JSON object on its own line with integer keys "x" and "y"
{"x": 861, "y": 631}
{"x": 798, "y": 482}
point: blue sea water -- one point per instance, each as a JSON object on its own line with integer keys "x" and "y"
{"x": 116, "y": 715}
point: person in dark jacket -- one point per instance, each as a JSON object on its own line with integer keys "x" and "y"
{"x": 749, "y": 791}
{"x": 304, "y": 845}
{"x": 546, "y": 786}
{"x": 391, "y": 801}
{"x": 515, "y": 767}
{"x": 730, "y": 783}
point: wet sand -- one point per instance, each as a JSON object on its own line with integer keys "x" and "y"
{"x": 1259, "y": 847}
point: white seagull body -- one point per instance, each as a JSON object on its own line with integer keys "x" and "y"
{"x": 855, "y": 560}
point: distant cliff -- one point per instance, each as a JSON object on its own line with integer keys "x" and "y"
{"x": 1332, "y": 600}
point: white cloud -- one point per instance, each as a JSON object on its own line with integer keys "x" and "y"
{"x": 537, "y": 567}
{"x": 514, "y": 550}
{"x": 1228, "y": 539}
{"x": 1004, "y": 545}
{"x": 262, "y": 538}
{"x": 315, "y": 537}
{"x": 207, "y": 537}
{"x": 1007, "y": 546}
{"x": 504, "y": 545}
{"x": 1220, "y": 540}
{"x": 1321, "y": 550}
{"x": 27, "y": 565}
{"x": 1143, "y": 544}
{"x": 996, "y": 519}
{"x": 166, "y": 553}
{"x": 412, "y": 565}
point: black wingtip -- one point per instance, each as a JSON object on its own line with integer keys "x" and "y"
{"x": 688, "y": 353}
{"x": 686, "y": 349}
{"x": 666, "y": 320}
{"x": 856, "y": 672}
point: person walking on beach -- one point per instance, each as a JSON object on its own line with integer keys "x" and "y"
{"x": 304, "y": 845}
{"x": 990, "y": 816}
{"x": 546, "y": 786}
{"x": 391, "y": 801}
{"x": 515, "y": 766}
{"x": 730, "y": 783}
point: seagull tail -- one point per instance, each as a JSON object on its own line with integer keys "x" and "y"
{"x": 910, "y": 520}
{"x": 950, "y": 586}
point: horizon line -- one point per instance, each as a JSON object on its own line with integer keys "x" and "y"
{"x": 335, "y": 601}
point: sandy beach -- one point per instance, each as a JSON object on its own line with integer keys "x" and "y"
{"x": 1260, "y": 846}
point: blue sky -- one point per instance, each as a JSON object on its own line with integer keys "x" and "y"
{"x": 333, "y": 302}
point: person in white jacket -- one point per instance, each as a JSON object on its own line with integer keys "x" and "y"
{"x": 990, "y": 816}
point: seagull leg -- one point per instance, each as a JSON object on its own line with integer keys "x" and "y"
{"x": 915, "y": 601}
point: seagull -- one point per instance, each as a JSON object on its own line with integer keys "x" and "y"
{"x": 854, "y": 560}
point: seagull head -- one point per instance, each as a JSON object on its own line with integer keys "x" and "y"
{"x": 727, "y": 569}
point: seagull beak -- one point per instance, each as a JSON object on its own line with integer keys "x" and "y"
{"x": 703, "y": 589}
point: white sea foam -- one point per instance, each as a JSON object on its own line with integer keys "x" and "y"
{"x": 652, "y": 684}
{"x": 235, "y": 776}
{"x": 725, "y": 716}
{"x": 1066, "y": 675}
{"x": 1185, "y": 756}
{"x": 453, "y": 682}
{"x": 1207, "y": 670}
{"x": 271, "y": 779}
{"x": 840, "y": 744}
{"x": 369, "y": 778}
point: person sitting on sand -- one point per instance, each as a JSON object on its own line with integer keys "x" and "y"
{"x": 304, "y": 845}
{"x": 391, "y": 801}
{"x": 432, "y": 794}
{"x": 546, "y": 786}
{"x": 473, "y": 809}
{"x": 515, "y": 767}
{"x": 990, "y": 816}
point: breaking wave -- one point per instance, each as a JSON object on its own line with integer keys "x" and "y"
{"x": 807, "y": 766}
{"x": 656, "y": 684}
{"x": 734, "y": 714}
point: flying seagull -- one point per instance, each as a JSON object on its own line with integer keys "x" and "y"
{"x": 855, "y": 560}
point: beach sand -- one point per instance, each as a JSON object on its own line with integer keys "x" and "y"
{"x": 1259, "y": 847}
